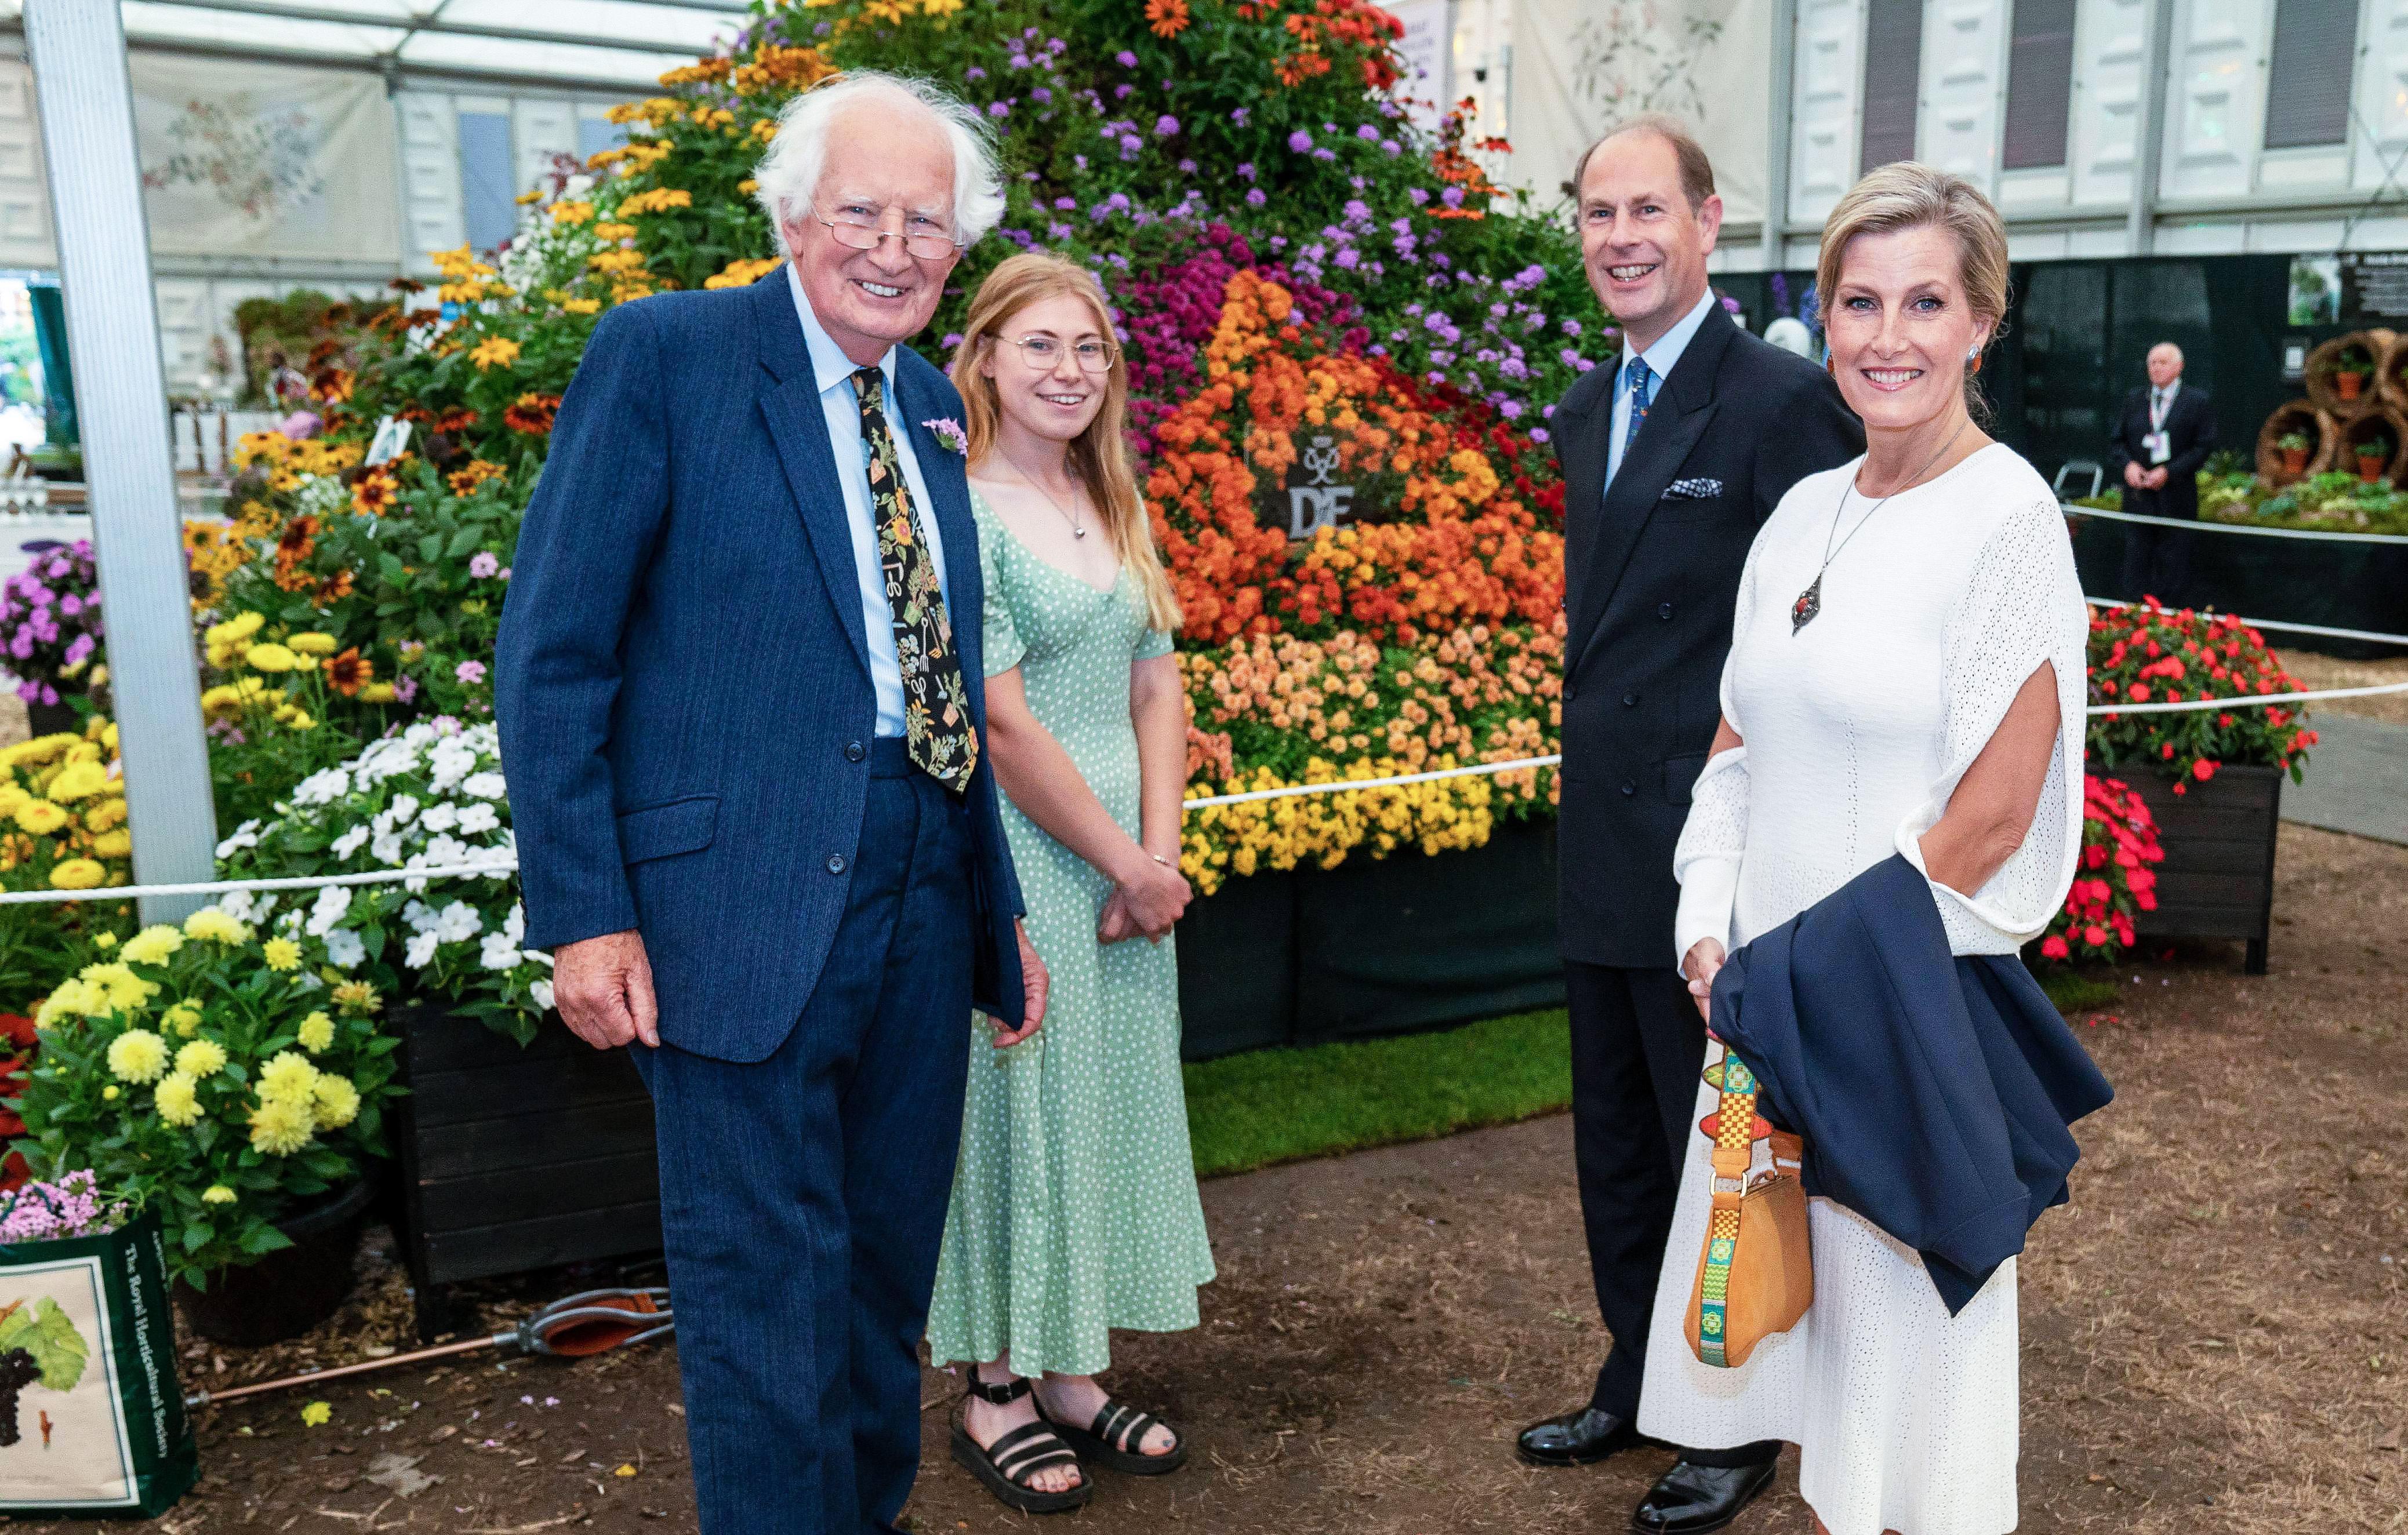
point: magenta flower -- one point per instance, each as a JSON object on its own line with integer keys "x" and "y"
{"x": 948, "y": 432}
{"x": 1299, "y": 141}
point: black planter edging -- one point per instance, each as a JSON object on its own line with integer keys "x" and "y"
{"x": 292, "y": 1289}
{"x": 59, "y": 719}
{"x": 1372, "y": 947}
{"x": 516, "y": 1158}
{"x": 2297, "y": 581}
{"x": 2219, "y": 877}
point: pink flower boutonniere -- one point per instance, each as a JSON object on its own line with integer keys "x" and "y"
{"x": 950, "y": 433}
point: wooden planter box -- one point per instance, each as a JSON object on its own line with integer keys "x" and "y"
{"x": 516, "y": 1158}
{"x": 2219, "y": 877}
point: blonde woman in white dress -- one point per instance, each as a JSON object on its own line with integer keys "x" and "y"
{"x": 1905, "y": 678}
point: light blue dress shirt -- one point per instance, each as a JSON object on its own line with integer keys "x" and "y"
{"x": 833, "y": 371}
{"x": 1660, "y": 359}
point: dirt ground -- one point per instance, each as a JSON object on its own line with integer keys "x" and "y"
{"x": 2215, "y": 1332}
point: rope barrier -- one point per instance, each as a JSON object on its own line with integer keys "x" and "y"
{"x": 2270, "y": 623}
{"x": 448, "y": 871}
{"x": 2207, "y": 525}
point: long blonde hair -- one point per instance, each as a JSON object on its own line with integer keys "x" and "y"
{"x": 1100, "y": 456}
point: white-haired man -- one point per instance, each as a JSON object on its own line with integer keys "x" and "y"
{"x": 742, "y": 716}
{"x": 2163, "y": 436}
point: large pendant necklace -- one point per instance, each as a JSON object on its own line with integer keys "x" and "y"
{"x": 1809, "y": 605}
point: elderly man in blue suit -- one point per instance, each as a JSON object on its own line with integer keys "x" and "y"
{"x": 743, "y": 722}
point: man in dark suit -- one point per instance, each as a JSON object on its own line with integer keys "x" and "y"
{"x": 743, "y": 724}
{"x": 2163, "y": 435}
{"x": 1671, "y": 459}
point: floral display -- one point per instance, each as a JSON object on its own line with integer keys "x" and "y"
{"x": 41, "y": 1211}
{"x": 2335, "y": 502}
{"x": 2113, "y": 880}
{"x": 210, "y": 1076}
{"x": 428, "y": 797}
{"x": 2145, "y": 654}
{"x": 50, "y": 623}
{"x": 63, "y": 811}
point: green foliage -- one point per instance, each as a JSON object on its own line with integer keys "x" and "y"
{"x": 45, "y": 1332}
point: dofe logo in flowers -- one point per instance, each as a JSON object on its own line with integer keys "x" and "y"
{"x": 1317, "y": 504}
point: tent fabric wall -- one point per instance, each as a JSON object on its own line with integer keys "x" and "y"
{"x": 1580, "y": 65}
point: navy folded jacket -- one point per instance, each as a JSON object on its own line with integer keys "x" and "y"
{"x": 1935, "y": 1092}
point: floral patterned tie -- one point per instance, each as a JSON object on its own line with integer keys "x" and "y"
{"x": 936, "y": 702}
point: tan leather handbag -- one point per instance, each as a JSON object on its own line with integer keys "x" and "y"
{"x": 1756, "y": 1277}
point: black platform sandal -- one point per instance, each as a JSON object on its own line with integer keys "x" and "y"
{"x": 1014, "y": 1456}
{"x": 1114, "y": 1437}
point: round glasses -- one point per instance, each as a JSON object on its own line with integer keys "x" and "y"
{"x": 1043, "y": 352}
{"x": 864, "y": 228}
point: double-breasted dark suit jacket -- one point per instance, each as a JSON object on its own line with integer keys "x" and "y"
{"x": 1650, "y": 578}
{"x": 2190, "y": 431}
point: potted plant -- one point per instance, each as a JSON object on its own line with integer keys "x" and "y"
{"x": 2214, "y": 792}
{"x": 219, "y": 1083}
{"x": 2293, "y": 446}
{"x": 2114, "y": 884}
{"x": 2373, "y": 455}
{"x": 2350, "y": 369}
{"x": 50, "y": 625}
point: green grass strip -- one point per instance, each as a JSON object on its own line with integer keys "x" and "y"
{"x": 1268, "y": 1106}
{"x": 2073, "y": 991}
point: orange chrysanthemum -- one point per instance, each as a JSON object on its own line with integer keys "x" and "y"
{"x": 1166, "y": 18}
{"x": 349, "y": 672}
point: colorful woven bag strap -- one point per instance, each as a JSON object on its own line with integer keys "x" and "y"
{"x": 1734, "y": 1127}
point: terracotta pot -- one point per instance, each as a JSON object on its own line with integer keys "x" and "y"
{"x": 2369, "y": 471}
{"x": 2346, "y": 386}
{"x": 2295, "y": 460}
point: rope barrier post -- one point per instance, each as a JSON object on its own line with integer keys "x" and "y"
{"x": 86, "y": 99}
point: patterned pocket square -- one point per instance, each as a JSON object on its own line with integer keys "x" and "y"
{"x": 1693, "y": 490}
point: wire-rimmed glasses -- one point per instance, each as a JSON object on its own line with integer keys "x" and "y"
{"x": 1041, "y": 353}
{"x": 862, "y": 226}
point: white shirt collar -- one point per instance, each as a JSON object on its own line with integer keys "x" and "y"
{"x": 1661, "y": 357}
{"x": 2167, "y": 392}
{"x": 830, "y": 367}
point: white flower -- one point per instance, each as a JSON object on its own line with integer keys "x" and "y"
{"x": 451, "y": 761}
{"x": 243, "y": 905}
{"x": 386, "y": 849}
{"x": 443, "y": 849}
{"x": 457, "y": 921}
{"x": 344, "y": 949}
{"x": 418, "y": 915}
{"x": 420, "y": 950}
{"x": 333, "y": 901}
{"x": 478, "y": 819}
{"x": 486, "y": 785}
{"x": 402, "y": 809}
{"x": 323, "y": 788}
{"x": 441, "y": 817}
{"x": 290, "y": 923}
{"x": 500, "y": 952}
{"x": 540, "y": 992}
{"x": 245, "y": 835}
{"x": 515, "y": 923}
{"x": 349, "y": 843}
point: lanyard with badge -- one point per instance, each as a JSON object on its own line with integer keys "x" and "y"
{"x": 2157, "y": 443}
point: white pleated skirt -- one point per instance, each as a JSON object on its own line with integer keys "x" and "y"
{"x": 1906, "y": 1418}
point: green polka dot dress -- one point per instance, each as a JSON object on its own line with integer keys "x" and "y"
{"x": 1074, "y": 1208}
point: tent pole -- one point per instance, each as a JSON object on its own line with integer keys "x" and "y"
{"x": 78, "y": 49}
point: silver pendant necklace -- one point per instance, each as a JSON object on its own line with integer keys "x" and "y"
{"x": 1078, "y": 528}
{"x": 1809, "y": 605}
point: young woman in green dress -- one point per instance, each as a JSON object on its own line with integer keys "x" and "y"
{"x": 1074, "y": 1208}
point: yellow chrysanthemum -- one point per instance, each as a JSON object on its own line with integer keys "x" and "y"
{"x": 212, "y": 923}
{"x": 137, "y": 1055}
{"x": 108, "y": 816}
{"x": 41, "y": 818}
{"x": 78, "y": 874}
{"x": 200, "y": 1059}
{"x": 287, "y": 1076}
{"x": 77, "y": 781}
{"x": 113, "y": 844}
{"x": 281, "y": 954}
{"x": 493, "y": 351}
{"x": 356, "y": 998}
{"x": 184, "y": 1020}
{"x": 177, "y": 1099}
{"x": 119, "y": 987}
{"x": 271, "y": 656}
{"x": 316, "y": 1032}
{"x": 69, "y": 1000}
{"x": 152, "y": 945}
{"x": 337, "y": 1102}
{"x": 280, "y": 1126}
{"x": 311, "y": 642}
{"x": 217, "y": 1194}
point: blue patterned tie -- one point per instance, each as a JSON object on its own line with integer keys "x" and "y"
{"x": 1641, "y": 391}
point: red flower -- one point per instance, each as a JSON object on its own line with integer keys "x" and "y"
{"x": 2203, "y": 769}
{"x": 2052, "y": 947}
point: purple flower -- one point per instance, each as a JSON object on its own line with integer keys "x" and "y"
{"x": 1018, "y": 61}
{"x": 405, "y": 689}
{"x": 1571, "y": 326}
{"x": 1245, "y": 170}
{"x": 1349, "y": 258}
{"x": 1299, "y": 141}
{"x": 974, "y": 73}
{"x": 1165, "y": 126}
{"x": 1042, "y": 94}
{"x": 470, "y": 672}
{"x": 998, "y": 108}
{"x": 1391, "y": 148}
{"x": 1510, "y": 409}
{"x": 482, "y": 565}
{"x": 1254, "y": 197}
{"x": 1238, "y": 115}
{"x": 1452, "y": 196}
{"x": 1538, "y": 433}
{"x": 1122, "y": 92}
{"x": 1417, "y": 194}
{"x": 1130, "y": 145}
{"x": 1325, "y": 154}
{"x": 945, "y": 429}
{"x": 953, "y": 338}
{"x": 1126, "y": 59}
{"x": 1187, "y": 167}
{"x": 1367, "y": 132}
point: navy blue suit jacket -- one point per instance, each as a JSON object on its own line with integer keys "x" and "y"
{"x": 1935, "y": 1093}
{"x": 681, "y": 679}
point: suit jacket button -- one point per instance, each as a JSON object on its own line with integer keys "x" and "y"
{"x": 1629, "y": 787}
{"x": 835, "y": 860}
{"x": 1631, "y": 700}
{"x": 1664, "y": 609}
{"x": 1568, "y": 691}
{"x": 855, "y": 751}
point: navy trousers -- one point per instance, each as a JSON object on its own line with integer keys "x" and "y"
{"x": 803, "y": 1198}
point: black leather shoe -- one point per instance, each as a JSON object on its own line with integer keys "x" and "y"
{"x": 1691, "y": 1500}
{"x": 1579, "y": 1437}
